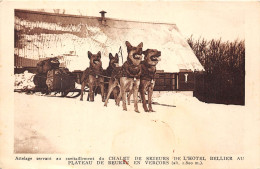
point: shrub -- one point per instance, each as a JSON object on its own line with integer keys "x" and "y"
{"x": 224, "y": 76}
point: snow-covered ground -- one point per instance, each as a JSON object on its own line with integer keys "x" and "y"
{"x": 181, "y": 125}
{"x": 24, "y": 80}
{"x": 63, "y": 125}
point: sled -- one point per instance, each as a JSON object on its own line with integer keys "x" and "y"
{"x": 56, "y": 82}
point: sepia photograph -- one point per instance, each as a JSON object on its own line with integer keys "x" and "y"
{"x": 130, "y": 84}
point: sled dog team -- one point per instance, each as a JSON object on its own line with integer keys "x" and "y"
{"x": 135, "y": 75}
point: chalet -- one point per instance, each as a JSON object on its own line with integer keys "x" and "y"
{"x": 40, "y": 35}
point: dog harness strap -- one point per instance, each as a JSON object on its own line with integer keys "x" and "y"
{"x": 95, "y": 72}
{"x": 146, "y": 73}
{"x": 109, "y": 70}
{"x": 131, "y": 71}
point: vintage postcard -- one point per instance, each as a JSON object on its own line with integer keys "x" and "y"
{"x": 129, "y": 84}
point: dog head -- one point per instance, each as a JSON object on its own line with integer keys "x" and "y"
{"x": 54, "y": 62}
{"x": 113, "y": 61}
{"x": 152, "y": 56}
{"x": 95, "y": 60}
{"x": 134, "y": 53}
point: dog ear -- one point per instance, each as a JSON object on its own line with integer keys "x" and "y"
{"x": 159, "y": 53}
{"x": 140, "y": 45}
{"x": 110, "y": 56}
{"x": 99, "y": 54}
{"x": 128, "y": 45}
{"x": 146, "y": 52}
{"x": 89, "y": 54}
{"x": 116, "y": 56}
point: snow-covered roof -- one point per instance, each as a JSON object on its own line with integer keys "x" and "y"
{"x": 66, "y": 33}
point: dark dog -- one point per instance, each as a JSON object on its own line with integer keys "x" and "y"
{"x": 152, "y": 57}
{"x": 113, "y": 65}
{"x": 128, "y": 76}
{"x": 93, "y": 77}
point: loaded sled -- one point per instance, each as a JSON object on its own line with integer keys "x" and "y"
{"x": 50, "y": 78}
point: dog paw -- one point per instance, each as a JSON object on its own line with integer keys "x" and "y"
{"x": 137, "y": 111}
{"x": 105, "y": 105}
{"x": 151, "y": 110}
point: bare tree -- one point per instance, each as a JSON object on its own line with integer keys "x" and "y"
{"x": 224, "y": 64}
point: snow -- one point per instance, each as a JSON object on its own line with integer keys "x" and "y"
{"x": 176, "y": 53}
{"x": 24, "y": 80}
{"x": 181, "y": 125}
{"x": 73, "y": 126}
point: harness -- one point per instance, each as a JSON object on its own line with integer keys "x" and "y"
{"x": 109, "y": 70}
{"x": 130, "y": 70}
{"x": 93, "y": 72}
{"x": 148, "y": 71}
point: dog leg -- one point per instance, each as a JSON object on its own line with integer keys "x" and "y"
{"x": 142, "y": 92}
{"x": 91, "y": 92}
{"x": 115, "y": 92}
{"x": 135, "y": 92}
{"x": 129, "y": 96}
{"x": 150, "y": 94}
{"x": 111, "y": 86}
{"x": 91, "y": 95}
{"x": 92, "y": 86}
{"x": 131, "y": 91}
{"x": 102, "y": 88}
{"x": 118, "y": 99}
{"x": 124, "y": 100}
{"x": 143, "y": 89}
{"x": 82, "y": 90}
{"x": 123, "y": 86}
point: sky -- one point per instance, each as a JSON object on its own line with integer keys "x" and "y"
{"x": 204, "y": 19}
{"x": 200, "y": 19}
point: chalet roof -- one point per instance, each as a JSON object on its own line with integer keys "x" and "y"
{"x": 82, "y": 34}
